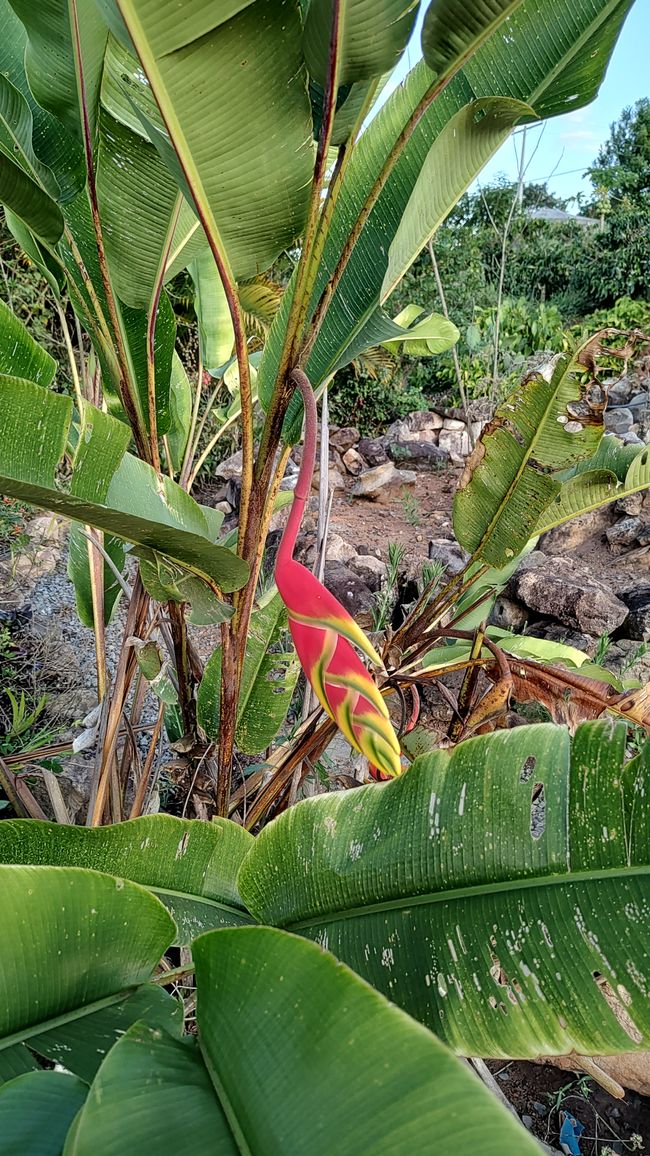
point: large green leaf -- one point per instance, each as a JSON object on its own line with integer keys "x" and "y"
{"x": 440, "y": 890}
{"x": 167, "y": 582}
{"x": 374, "y": 35}
{"x": 20, "y": 355}
{"x": 144, "y": 228}
{"x": 191, "y": 866}
{"x": 268, "y": 682}
{"x": 50, "y": 57}
{"x": 95, "y": 938}
{"x": 134, "y": 323}
{"x": 458, "y": 154}
{"x": 16, "y": 136}
{"x": 78, "y": 570}
{"x": 551, "y": 59}
{"x": 216, "y": 334}
{"x": 80, "y": 1044}
{"x": 51, "y": 269}
{"x": 109, "y": 489}
{"x": 56, "y": 148}
{"x": 453, "y": 29}
{"x": 408, "y": 333}
{"x": 36, "y": 1110}
{"x": 152, "y": 1091}
{"x": 250, "y": 187}
{"x": 16, "y": 1061}
{"x": 592, "y": 488}
{"x": 27, "y": 186}
{"x": 544, "y": 426}
{"x": 274, "y": 1014}
{"x": 180, "y": 409}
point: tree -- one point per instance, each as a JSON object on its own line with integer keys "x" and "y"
{"x": 622, "y": 167}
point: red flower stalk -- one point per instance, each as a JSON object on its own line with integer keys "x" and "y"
{"x": 322, "y": 630}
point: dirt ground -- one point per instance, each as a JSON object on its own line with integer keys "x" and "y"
{"x": 541, "y": 1094}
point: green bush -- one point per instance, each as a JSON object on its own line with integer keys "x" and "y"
{"x": 372, "y": 401}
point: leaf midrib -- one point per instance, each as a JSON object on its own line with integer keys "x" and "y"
{"x": 473, "y": 891}
{"x": 188, "y": 896}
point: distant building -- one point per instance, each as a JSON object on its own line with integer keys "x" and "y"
{"x": 547, "y": 214}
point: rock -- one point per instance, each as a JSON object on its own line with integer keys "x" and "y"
{"x": 555, "y": 632}
{"x": 398, "y": 430}
{"x": 449, "y": 553}
{"x": 632, "y": 505}
{"x": 623, "y": 658}
{"x": 351, "y": 591}
{"x": 34, "y": 565}
{"x": 619, "y": 421}
{"x": 625, "y": 534}
{"x": 455, "y": 442}
{"x": 527, "y": 1122}
{"x": 631, "y": 438}
{"x": 564, "y": 589}
{"x": 343, "y": 439}
{"x": 419, "y": 454}
{"x": 335, "y": 478}
{"x": 371, "y": 569}
{"x": 424, "y": 420}
{"x": 509, "y": 615}
{"x": 620, "y": 392}
{"x": 373, "y": 450}
{"x": 572, "y": 535}
{"x": 454, "y": 423}
{"x": 364, "y": 548}
{"x": 224, "y": 508}
{"x": 374, "y": 483}
{"x": 338, "y": 550}
{"x": 46, "y": 530}
{"x": 638, "y": 602}
{"x": 353, "y": 462}
{"x": 230, "y": 467}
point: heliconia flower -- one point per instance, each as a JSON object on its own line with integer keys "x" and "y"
{"x": 323, "y": 631}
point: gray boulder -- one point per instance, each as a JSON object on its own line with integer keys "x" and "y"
{"x": 564, "y": 589}
{"x": 638, "y": 602}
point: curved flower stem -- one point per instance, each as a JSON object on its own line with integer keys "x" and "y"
{"x": 308, "y": 461}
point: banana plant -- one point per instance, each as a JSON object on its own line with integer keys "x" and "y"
{"x": 93, "y": 995}
{"x": 528, "y": 940}
{"x": 134, "y": 146}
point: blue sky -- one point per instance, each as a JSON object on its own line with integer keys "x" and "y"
{"x": 567, "y": 145}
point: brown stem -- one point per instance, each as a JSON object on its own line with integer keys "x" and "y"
{"x": 229, "y": 698}
{"x": 143, "y": 784}
{"x": 468, "y": 687}
{"x": 178, "y": 626}
{"x": 126, "y": 397}
{"x": 126, "y": 667}
{"x": 424, "y": 616}
{"x": 314, "y": 738}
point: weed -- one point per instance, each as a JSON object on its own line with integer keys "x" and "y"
{"x": 604, "y": 643}
{"x": 386, "y": 597}
{"x": 636, "y": 655}
{"x": 411, "y": 507}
